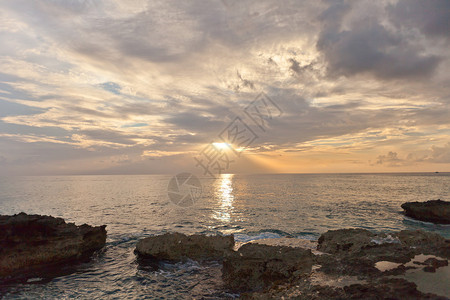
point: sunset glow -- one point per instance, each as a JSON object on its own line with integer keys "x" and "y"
{"x": 151, "y": 84}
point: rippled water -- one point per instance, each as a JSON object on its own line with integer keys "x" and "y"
{"x": 250, "y": 206}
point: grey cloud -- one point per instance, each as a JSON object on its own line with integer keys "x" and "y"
{"x": 298, "y": 69}
{"x": 109, "y": 136}
{"x": 391, "y": 159}
{"x": 440, "y": 154}
{"x": 431, "y": 17}
{"x": 172, "y": 35}
{"x": 302, "y": 122}
{"x": 436, "y": 154}
{"x": 194, "y": 122}
{"x": 367, "y": 46}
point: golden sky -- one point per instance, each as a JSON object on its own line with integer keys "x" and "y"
{"x": 136, "y": 87}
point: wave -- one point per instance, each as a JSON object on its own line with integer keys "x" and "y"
{"x": 424, "y": 223}
{"x": 273, "y": 234}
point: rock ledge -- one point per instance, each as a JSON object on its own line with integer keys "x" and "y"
{"x": 29, "y": 243}
{"x": 435, "y": 211}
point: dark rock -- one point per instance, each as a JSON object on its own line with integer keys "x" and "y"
{"x": 433, "y": 263}
{"x": 256, "y": 266}
{"x": 31, "y": 242}
{"x": 349, "y": 252}
{"x": 383, "y": 288}
{"x": 387, "y": 288}
{"x": 400, "y": 270}
{"x": 436, "y": 211}
{"x": 344, "y": 240}
{"x": 424, "y": 242}
{"x": 420, "y": 238}
{"x": 357, "y": 255}
{"x": 396, "y": 247}
{"x": 437, "y": 263}
{"x": 177, "y": 246}
{"x": 429, "y": 269}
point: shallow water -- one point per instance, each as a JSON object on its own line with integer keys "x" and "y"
{"x": 250, "y": 206}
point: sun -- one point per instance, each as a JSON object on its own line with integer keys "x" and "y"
{"x": 222, "y": 146}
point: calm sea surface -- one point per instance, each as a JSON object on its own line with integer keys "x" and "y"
{"x": 250, "y": 206}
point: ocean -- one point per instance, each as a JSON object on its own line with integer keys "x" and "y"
{"x": 249, "y": 206}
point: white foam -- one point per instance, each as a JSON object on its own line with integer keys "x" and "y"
{"x": 35, "y": 279}
{"x": 389, "y": 239}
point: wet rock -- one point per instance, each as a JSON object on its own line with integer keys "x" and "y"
{"x": 353, "y": 253}
{"x": 257, "y": 266}
{"x": 29, "y": 243}
{"x": 398, "y": 247}
{"x": 420, "y": 238}
{"x": 387, "y": 288}
{"x": 344, "y": 240}
{"x": 384, "y": 288}
{"x": 400, "y": 270}
{"x": 177, "y": 246}
{"x": 358, "y": 255}
{"x": 435, "y": 211}
{"x": 433, "y": 263}
{"x": 424, "y": 242}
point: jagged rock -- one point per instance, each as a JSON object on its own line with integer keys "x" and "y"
{"x": 433, "y": 263}
{"x": 387, "y": 288}
{"x": 383, "y": 288}
{"x": 436, "y": 211}
{"x": 176, "y": 246}
{"x": 256, "y": 266}
{"x": 360, "y": 241}
{"x": 421, "y": 239}
{"x": 355, "y": 251}
{"x": 345, "y": 240}
{"x": 31, "y": 242}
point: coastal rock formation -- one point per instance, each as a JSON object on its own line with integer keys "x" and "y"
{"x": 347, "y": 268}
{"x": 256, "y": 266}
{"x": 348, "y": 263}
{"x": 345, "y": 240}
{"x": 176, "y": 246}
{"x": 31, "y": 242}
{"x": 355, "y": 251}
{"x": 435, "y": 211}
{"x": 383, "y": 288}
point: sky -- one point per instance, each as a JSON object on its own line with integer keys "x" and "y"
{"x": 224, "y": 86}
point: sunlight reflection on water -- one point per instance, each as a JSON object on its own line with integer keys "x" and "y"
{"x": 224, "y": 194}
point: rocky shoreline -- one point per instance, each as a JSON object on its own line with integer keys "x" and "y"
{"x": 342, "y": 264}
{"x": 31, "y": 245}
{"x": 353, "y": 256}
{"x": 434, "y": 211}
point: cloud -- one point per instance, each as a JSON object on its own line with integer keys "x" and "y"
{"x": 429, "y": 17}
{"x": 368, "y": 46}
{"x": 85, "y": 84}
{"x": 391, "y": 159}
{"x": 440, "y": 154}
{"x": 435, "y": 154}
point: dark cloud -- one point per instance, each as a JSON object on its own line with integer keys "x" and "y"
{"x": 367, "y": 46}
{"x": 191, "y": 67}
{"x": 297, "y": 68}
{"x": 195, "y": 122}
{"x": 431, "y": 17}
